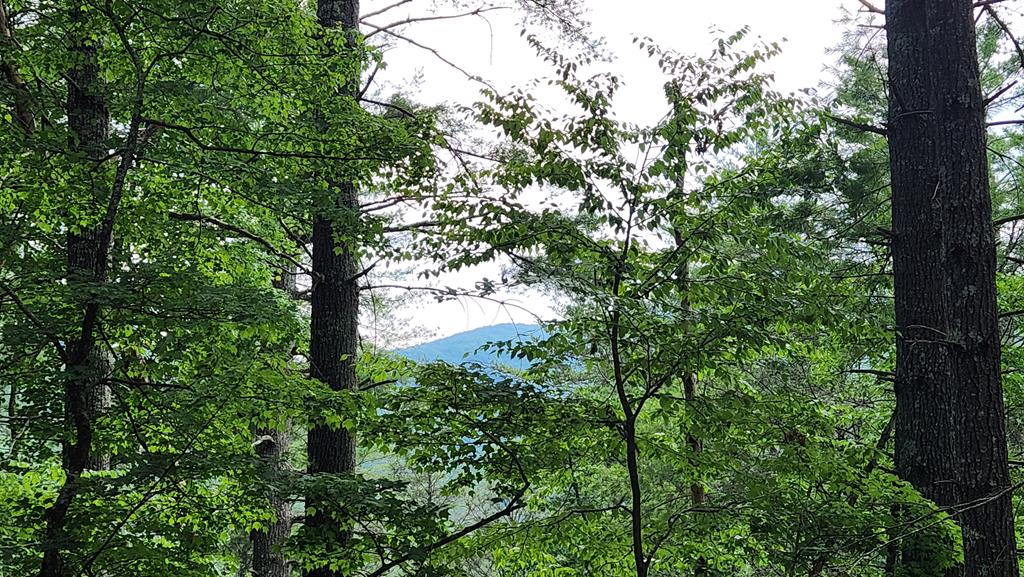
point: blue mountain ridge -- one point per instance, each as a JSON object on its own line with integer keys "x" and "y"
{"x": 463, "y": 347}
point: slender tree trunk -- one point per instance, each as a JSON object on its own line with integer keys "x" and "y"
{"x": 87, "y": 250}
{"x": 334, "y": 325}
{"x": 641, "y": 561}
{"x": 698, "y": 497}
{"x": 950, "y": 429}
{"x": 267, "y": 558}
{"x": 272, "y": 448}
{"x": 86, "y": 396}
{"x": 84, "y": 252}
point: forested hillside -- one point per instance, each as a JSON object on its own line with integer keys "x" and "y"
{"x": 472, "y": 346}
{"x": 769, "y": 333}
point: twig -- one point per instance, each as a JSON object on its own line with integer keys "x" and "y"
{"x": 412, "y": 19}
{"x": 385, "y": 9}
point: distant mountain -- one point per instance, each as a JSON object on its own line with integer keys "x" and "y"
{"x": 463, "y": 347}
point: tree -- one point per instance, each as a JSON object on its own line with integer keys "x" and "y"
{"x": 88, "y": 252}
{"x": 950, "y": 420}
{"x": 777, "y": 469}
{"x": 334, "y": 318}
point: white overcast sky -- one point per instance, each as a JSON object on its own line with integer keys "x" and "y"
{"x": 493, "y": 49}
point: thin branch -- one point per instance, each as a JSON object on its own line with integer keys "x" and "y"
{"x": 869, "y": 7}
{"x": 385, "y": 9}
{"x": 61, "y": 351}
{"x": 189, "y": 133}
{"x": 992, "y": 98}
{"x": 202, "y": 218}
{"x": 437, "y": 55}
{"x": 412, "y": 226}
{"x": 369, "y": 81}
{"x": 413, "y": 19}
{"x": 884, "y": 375}
{"x": 1007, "y": 220}
{"x": 859, "y": 125}
{"x": 452, "y": 294}
{"x": 152, "y": 491}
{"x": 1006, "y": 122}
{"x": 514, "y": 504}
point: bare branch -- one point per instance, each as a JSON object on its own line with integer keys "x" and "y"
{"x": 437, "y": 55}
{"x": 385, "y": 9}
{"x": 1007, "y": 220}
{"x": 1006, "y": 30}
{"x": 412, "y": 226}
{"x": 869, "y": 7}
{"x": 1002, "y": 90}
{"x": 412, "y": 19}
{"x": 884, "y": 375}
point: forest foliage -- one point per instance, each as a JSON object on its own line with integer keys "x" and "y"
{"x": 714, "y": 397}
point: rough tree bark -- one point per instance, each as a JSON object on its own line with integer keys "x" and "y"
{"x": 950, "y": 429}
{"x": 335, "y": 315}
{"x": 85, "y": 393}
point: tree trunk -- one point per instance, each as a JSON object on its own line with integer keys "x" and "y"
{"x": 698, "y": 496}
{"x": 86, "y": 395}
{"x": 950, "y": 429}
{"x": 267, "y": 559}
{"x": 272, "y": 448}
{"x": 84, "y": 252}
{"x": 334, "y": 324}
{"x": 87, "y": 250}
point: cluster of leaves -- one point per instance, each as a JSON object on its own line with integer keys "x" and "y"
{"x": 714, "y": 399}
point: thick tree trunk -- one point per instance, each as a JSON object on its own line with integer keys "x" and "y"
{"x": 334, "y": 325}
{"x": 87, "y": 250}
{"x": 950, "y": 429}
{"x": 85, "y": 394}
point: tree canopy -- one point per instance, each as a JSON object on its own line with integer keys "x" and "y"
{"x": 776, "y": 333}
